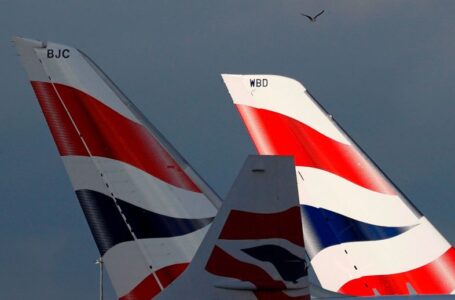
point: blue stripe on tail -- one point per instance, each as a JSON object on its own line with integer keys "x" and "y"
{"x": 109, "y": 228}
{"x": 324, "y": 228}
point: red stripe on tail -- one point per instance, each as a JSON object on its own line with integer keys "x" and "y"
{"x": 65, "y": 135}
{"x": 149, "y": 287}
{"x": 242, "y": 225}
{"x": 437, "y": 277}
{"x": 146, "y": 290}
{"x": 168, "y": 274}
{"x": 277, "y": 134}
{"x": 106, "y": 133}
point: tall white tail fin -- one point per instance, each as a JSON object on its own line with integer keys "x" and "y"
{"x": 361, "y": 233}
{"x": 147, "y": 209}
{"x": 254, "y": 249}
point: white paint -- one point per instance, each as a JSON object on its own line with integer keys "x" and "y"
{"x": 173, "y": 250}
{"x": 322, "y": 189}
{"x": 285, "y": 96}
{"x": 137, "y": 187}
{"x": 29, "y": 59}
{"x": 125, "y": 266}
{"x": 265, "y": 179}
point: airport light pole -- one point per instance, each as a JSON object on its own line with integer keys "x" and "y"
{"x": 99, "y": 262}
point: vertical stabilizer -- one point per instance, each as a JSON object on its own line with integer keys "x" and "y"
{"x": 254, "y": 249}
{"x": 361, "y": 233}
{"x": 147, "y": 209}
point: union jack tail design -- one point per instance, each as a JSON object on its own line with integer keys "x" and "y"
{"x": 254, "y": 249}
{"x": 361, "y": 233}
{"x": 147, "y": 209}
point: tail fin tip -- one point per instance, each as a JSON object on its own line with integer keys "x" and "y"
{"x": 19, "y": 41}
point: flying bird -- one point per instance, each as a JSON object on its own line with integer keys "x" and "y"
{"x": 312, "y": 19}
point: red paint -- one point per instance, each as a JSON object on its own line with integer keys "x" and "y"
{"x": 145, "y": 290}
{"x": 65, "y": 135}
{"x": 242, "y": 225}
{"x": 283, "y": 135}
{"x": 106, "y": 133}
{"x": 149, "y": 287}
{"x": 168, "y": 274}
{"x": 437, "y": 277}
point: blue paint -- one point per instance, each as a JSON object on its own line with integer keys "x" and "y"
{"x": 329, "y": 228}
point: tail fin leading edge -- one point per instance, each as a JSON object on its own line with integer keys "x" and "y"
{"x": 354, "y": 219}
{"x": 147, "y": 209}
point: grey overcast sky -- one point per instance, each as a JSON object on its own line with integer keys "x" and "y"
{"x": 384, "y": 69}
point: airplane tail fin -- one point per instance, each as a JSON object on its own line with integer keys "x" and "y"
{"x": 147, "y": 209}
{"x": 360, "y": 231}
{"x": 254, "y": 249}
